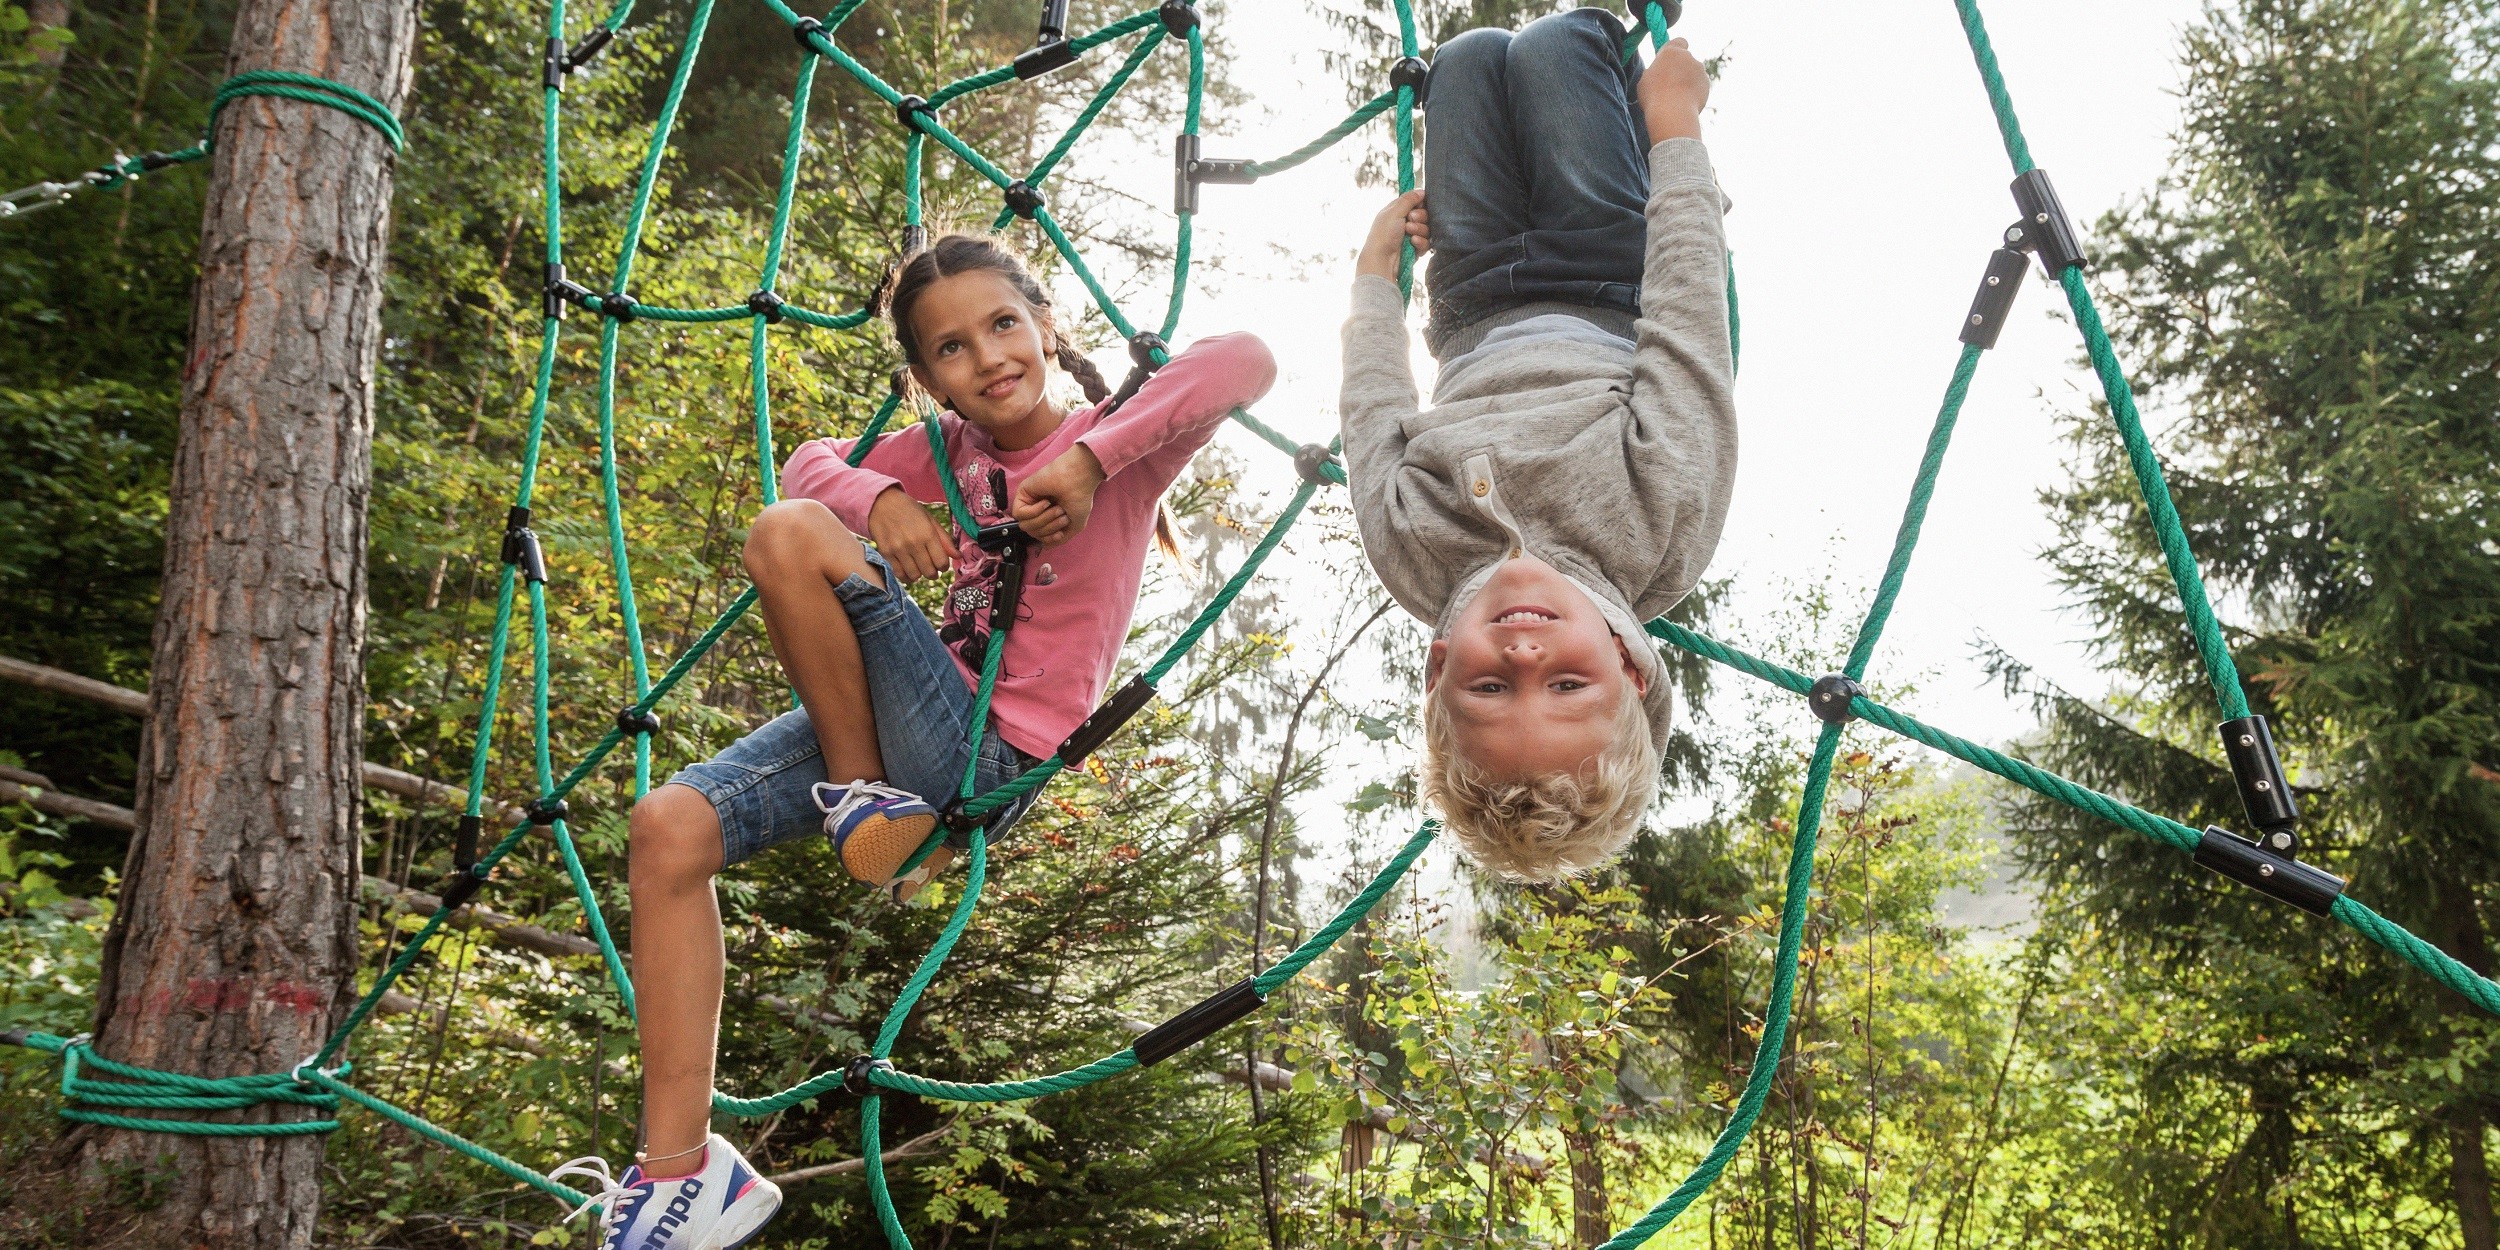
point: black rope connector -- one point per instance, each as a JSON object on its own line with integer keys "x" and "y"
{"x": 1116, "y": 711}
{"x": 1023, "y": 200}
{"x": 915, "y": 241}
{"x": 557, "y": 294}
{"x": 1670, "y": 11}
{"x": 1179, "y": 17}
{"x": 618, "y": 305}
{"x": 551, "y": 67}
{"x": 855, "y": 1079}
{"x": 2044, "y": 229}
{"x": 547, "y": 811}
{"x": 1144, "y": 346}
{"x": 1829, "y": 698}
{"x": 150, "y": 162}
{"x": 1051, "y": 48}
{"x": 958, "y": 826}
{"x": 1311, "y": 462}
{"x": 1414, "y": 72}
{"x": 464, "y": 841}
{"x": 767, "y": 305}
{"x": 520, "y": 547}
{"x": 14, "y": 1037}
{"x": 1199, "y": 1022}
{"x": 630, "y": 722}
{"x": 1189, "y": 172}
{"x": 909, "y": 105}
{"x": 2265, "y": 794}
{"x": 588, "y": 49}
{"x": 802, "y": 29}
{"x": 460, "y": 887}
{"x": 2280, "y": 877}
{"x": 1995, "y": 302}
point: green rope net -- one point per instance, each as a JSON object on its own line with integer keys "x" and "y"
{"x": 99, "y": 1091}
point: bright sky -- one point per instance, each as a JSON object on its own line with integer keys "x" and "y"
{"x": 1869, "y": 186}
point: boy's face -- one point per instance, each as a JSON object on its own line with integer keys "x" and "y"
{"x": 1535, "y": 677}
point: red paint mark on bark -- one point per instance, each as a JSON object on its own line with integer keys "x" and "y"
{"x": 228, "y": 995}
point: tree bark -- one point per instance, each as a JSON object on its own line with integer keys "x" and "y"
{"x": 1589, "y": 1223}
{"x": 234, "y": 951}
{"x": 2469, "y": 1169}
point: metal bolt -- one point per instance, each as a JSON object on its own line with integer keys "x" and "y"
{"x": 2042, "y": 218}
{"x": 2264, "y": 786}
{"x": 2282, "y": 841}
{"x": 2014, "y": 234}
{"x": 2248, "y": 740}
{"x": 1994, "y": 280}
{"x": 2265, "y": 870}
{"x": 1976, "y": 319}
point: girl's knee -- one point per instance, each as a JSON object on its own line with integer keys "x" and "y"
{"x": 1474, "y": 55}
{"x": 795, "y": 533}
{"x": 673, "y": 836}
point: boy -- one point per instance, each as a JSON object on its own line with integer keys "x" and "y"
{"x": 1570, "y": 480}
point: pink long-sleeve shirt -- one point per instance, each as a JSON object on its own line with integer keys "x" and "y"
{"x": 1078, "y": 596}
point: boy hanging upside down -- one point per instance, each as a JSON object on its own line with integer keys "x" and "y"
{"x": 1570, "y": 478}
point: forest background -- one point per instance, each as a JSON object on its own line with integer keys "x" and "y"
{"x": 2309, "y": 296}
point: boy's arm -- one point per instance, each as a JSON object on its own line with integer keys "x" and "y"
{"x": 1179, "y": 408}
{"x": 1684, "y": 371}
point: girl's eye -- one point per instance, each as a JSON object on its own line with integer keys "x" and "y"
{"x": 1486, "y": 687}
{"x": 1005, "y": 323}
{"x": 1571, "y": 683}
{"x": 947, "y": 348}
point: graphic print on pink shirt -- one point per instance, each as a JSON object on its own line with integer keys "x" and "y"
{"x": 965, "y": 622}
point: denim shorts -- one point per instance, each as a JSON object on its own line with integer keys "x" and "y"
{"x": 761, "y": 786}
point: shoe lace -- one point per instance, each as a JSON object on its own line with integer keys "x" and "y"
{"x": 611, "y": 1194}
{"x": 852, "y": 797}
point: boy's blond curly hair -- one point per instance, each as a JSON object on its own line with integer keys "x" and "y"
{"x": 1548, "y": 827}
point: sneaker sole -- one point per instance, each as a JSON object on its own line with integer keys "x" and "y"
{"x": 745, "y": 1218}
{"x": 877, "y": 848}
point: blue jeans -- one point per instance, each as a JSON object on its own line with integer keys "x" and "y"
{"x": 1537, "y": 165}
{"x": 761, "y": 786}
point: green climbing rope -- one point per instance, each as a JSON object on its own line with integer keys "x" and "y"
{"x": 100, "y": 1091}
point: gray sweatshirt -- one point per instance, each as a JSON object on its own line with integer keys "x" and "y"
{"x": 1611, "y": 462}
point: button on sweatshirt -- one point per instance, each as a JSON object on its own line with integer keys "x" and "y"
{"x": 1078, "y": 596}
{"x": 1611, "y": 461}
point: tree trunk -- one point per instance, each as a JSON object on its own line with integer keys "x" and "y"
{"x": 2469, "y": 1174}
{"x": 234, "y": 951}
{"x": 1589, "y": 1225}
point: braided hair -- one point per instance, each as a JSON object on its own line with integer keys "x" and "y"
{"x": 955, "y": 253}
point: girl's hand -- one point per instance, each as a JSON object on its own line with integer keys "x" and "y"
{"x": 1405, "y": 218}
{"x": 1054, "y": 504}
{"x": 1673, "y": 91}
{"x": 907, "y": 538}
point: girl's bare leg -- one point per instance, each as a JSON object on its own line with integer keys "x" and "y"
{"x": 797, "y": 553}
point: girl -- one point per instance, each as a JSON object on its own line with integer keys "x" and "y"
{"x": 884, "y": 695}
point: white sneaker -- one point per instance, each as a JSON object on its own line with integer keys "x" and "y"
{"x": 720, "y": 1206}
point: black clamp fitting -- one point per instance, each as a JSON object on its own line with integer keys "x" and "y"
{"x": 2265, "y": 794}
{"x": 630, "y": 722}
{"x": 1413, "y": 72}
{"x": 2044, "y": 229}
{"x": 1198, "y": 1023}
{"x": 1179, "y": 17}
{"x": 805, "y": 27}
{"x": 551, "y": 67}
{"x": 557, "y": 294}
{"x": 1051, "y": 49}
{"x": 909, "y": 105}
{"x": 464, "y": 841}
{"x": 2279, "y": 877}
{"x": 1115, "y": 712}
{"x": 618, "y": 305}
{"x": 14, "y": 1037}
{"x": 546, "y": 811}
{"x": 588, "y": 49}
{"x": 767, "y": 305}
{"x": 1994, "y": 304}
{"x": 855, "y": 1079}
{"x": 1829, "y": 698}
{"x": 1189, "y": 172}
{"x": 150, "y": 162}
{"x": 1023, "y": 200}
{"x": 915, "y": 240}
{"x": 1671, "y": 11}
{"x": 1311, "y": 462}
{"x": 1144, "y": 346}
{"x": 460, "y": 887}
{"x": 520, "y": 547}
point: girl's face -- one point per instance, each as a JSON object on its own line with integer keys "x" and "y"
{"x": 982, "y": 349}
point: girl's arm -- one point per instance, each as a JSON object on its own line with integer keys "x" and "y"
{"x": 1178, "y": 409}
{"x": 820, "y": 470}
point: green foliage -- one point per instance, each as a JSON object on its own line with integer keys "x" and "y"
{"x": 2312, "y": 293}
